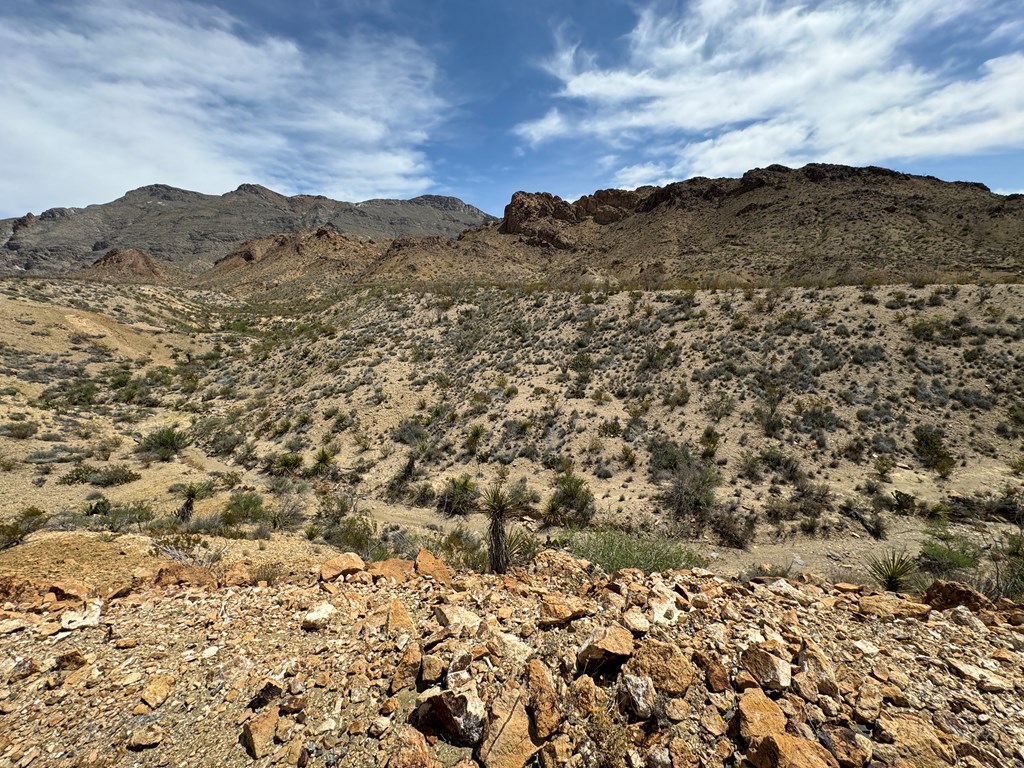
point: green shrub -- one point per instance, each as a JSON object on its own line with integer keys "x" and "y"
{"x": 28, "y": 520}
{"x": 930, "y": 448}
{"x": 571, "y": 504}
{"x": 613, "y": 549}
{"x": 243, "y": 507}
{"x": 118, "y": 474}
{"x": 19, "y": 430}
{"x": 690, "y": 497}
{"x": 162, "y": 444}
{"x": 284, "y": 464}
{"x": 458, "y": 496}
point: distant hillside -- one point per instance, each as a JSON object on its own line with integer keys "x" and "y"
{"x": 821, "y": 222}
{"x": 190, "y": 230}
{"x": 818, "y": 222}
{"x": 125, "y": 265}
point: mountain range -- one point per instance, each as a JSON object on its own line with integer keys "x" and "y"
{"x": 817, "y": 223}
{"x": 187, "y": 231}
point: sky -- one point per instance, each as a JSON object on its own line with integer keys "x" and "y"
{"x": 358, "y": 99}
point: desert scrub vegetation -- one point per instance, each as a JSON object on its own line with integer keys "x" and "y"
{"x": 162, "y": 444}
{"x": 104, "y": 477}
{"x": 613, "y": 549}
{"x": 27, "y": 521}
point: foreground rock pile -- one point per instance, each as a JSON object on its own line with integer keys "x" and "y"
{"x": 406, "y": 664}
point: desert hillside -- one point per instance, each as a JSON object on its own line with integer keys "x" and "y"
{"x": 818, "y": 224}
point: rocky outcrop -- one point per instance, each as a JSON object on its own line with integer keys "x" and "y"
{"x": 423, "y": 666}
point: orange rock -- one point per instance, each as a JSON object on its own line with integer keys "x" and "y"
{"x": 543, "y": 699}
{"x": 427, "y": 564}
{"x": 258, "y": 734}
{"x": 395, "y": 569}
{"x": 760, "y": 717}
{"x": 669, "y": 668}
{"x": 341, "y": 565}
{"x": 780, "y": 750}
{"x": 411, "y": 751}
{"x": 887, "y": 607}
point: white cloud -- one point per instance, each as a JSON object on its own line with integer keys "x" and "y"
{"x": 114, "y": 94}
{"x": 727, "y": 85}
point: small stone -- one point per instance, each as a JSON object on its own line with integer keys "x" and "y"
{"x": 768, "y": 670}
{"x": 605, "y": 644}
{"x": 556, "y": 609}
{"x": 258, "y": 734}
{"x": 668, "y": 667}
{"x": 716, "y": 676}
{"x": 850, "y": 749}
{"x": 943, "y": 595}
{"x": 866, "y": 647}
{"x": 759, "y": 716}
{"x": 507, "y": 742}
{"x": 89, "y": 616}
{"x": 394, "y": 569}
{"x": 398, "y": 617}
{"x": 408, "y": 668}
{"x": 157, "y": 690}
{"x": 411, "y": 751}
{"x": 637, "y": 695}
{"x": 888, "y": 607}
{"x": 432, "y": 669}
{"x": 452, "y": 615}
{"x": 459, "y": 714}
{"x": 780, "y": 750}
{"x": 677, "y": 710}
{"x": 636, "y": 622}
{"x": 73, "y": 659}
{"x": 318, "y": 617}
{"x": 547, "y": 715}
{"x": 145, "y": 738}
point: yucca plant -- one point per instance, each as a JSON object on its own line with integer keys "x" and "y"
{"x": 190, "y": 493}
{"x": 892, "y": 570}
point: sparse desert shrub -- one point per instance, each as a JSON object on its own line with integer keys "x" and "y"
{"x": 690, "y": 496}
{"x": 19, "y": 430}
{"x": 458, "y": 496}
{"x": 892, "y": 570}
{"x": 189, "y": 549}
{"x": 27, "y": 521}
{"x": 242, "y": 507}
{"x": 284, "y": 464}
{"x": 733, "y": 529}
{"x": 930, "y": 448}
{"x": 461, "y": 548}
{"x": 162, "y": 444}
{"x": 613, "y": 549}
{"x": 946, "y": 554}
{"x": 119, "y": 474}
{"x": 571, "y": 504}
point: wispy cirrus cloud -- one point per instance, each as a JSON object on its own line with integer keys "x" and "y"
{"x": 719, "y": 86}
{"x": 104, "y": 96}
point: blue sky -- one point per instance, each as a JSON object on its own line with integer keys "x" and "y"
{"x": 394, "y": 98}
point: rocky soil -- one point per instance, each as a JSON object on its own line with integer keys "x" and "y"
{"x": 406, "y": 663}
